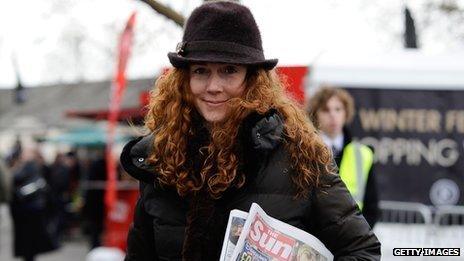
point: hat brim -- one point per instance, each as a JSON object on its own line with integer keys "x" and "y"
{"x": 179, "y": 61}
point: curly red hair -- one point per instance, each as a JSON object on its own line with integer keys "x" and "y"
{"x": 170, "y": 119}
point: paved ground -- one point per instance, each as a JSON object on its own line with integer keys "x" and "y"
{"x": 72, "y": 250}
{"x": 419, "y": 236}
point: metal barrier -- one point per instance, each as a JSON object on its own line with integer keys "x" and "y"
{"x": 406, "y": 224}
{"x": 418, "y": 213}
{"x": 404, "y": 212}
{"x": 449, "y": 216}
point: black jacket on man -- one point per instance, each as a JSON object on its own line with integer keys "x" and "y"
{"x": 169, "y": 227}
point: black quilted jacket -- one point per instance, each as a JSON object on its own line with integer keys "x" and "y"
{"x": 169, "y": 227}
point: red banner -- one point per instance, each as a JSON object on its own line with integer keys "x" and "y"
{"x": 117, "y": 91}
{"x": 294, "y": 77}
{"x": 119, "y": 219}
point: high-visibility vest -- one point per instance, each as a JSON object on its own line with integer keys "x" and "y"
{"x": 354, "y": 170}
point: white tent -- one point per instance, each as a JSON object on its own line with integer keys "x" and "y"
{"x": 405, "y": 70}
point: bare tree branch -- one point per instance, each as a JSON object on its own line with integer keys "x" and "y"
{"x": 166, "y": 11}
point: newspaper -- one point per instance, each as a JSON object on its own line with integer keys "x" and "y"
{"x": 235, "y": 225}
{"x": 264, "y": 238}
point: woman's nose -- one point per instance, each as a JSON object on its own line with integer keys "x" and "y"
{"x": 214, "y": 83}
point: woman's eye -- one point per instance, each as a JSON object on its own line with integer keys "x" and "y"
{"x": 230, "y": 69}
{"x": 199, "y": 70}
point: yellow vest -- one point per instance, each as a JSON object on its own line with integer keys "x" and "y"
{"x": 354, "y": 170}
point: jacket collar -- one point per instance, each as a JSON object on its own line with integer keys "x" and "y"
{"x": 262, "y": 132}
{"x": 258, "y": 134}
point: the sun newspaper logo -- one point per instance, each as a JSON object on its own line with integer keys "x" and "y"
{"x": 269, "y": 241}
{"x": 264, "y": 238}
{"x": 424, "y": 251}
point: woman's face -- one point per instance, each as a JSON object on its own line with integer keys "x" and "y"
{"x": 213, "y": 84}
{"x": 332, "y": 118}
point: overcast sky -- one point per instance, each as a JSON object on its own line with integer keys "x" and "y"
{"x": 42, "y": 35}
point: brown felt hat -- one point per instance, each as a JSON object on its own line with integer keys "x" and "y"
{"x": 223, "y": 32}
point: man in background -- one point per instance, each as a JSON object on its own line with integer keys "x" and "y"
{"x": 331, "y": 109}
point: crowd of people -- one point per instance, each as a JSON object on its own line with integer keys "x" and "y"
{"x": 46, "y": 202}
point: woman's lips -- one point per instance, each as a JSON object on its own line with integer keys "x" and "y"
{"x": 214, "y": 103}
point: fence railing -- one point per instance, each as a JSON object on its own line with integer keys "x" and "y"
{"x": 449, "y": 215}
{"x": 406, "y": 224}
{"x": 418, "y": 213}
{"x": 404, "y": 212}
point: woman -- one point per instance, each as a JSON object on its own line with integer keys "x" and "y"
{"x": 332, "y": 109}
{"x": 223, "y": 135}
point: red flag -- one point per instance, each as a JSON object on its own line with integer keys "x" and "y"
{"x": 117, "y": 91}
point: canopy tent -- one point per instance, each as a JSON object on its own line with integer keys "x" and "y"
{"x": 86, "y": 136}
{"x": 88, "y": 98}
{"x": 128, "y": 115}
{"x": 406, "y": 69}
